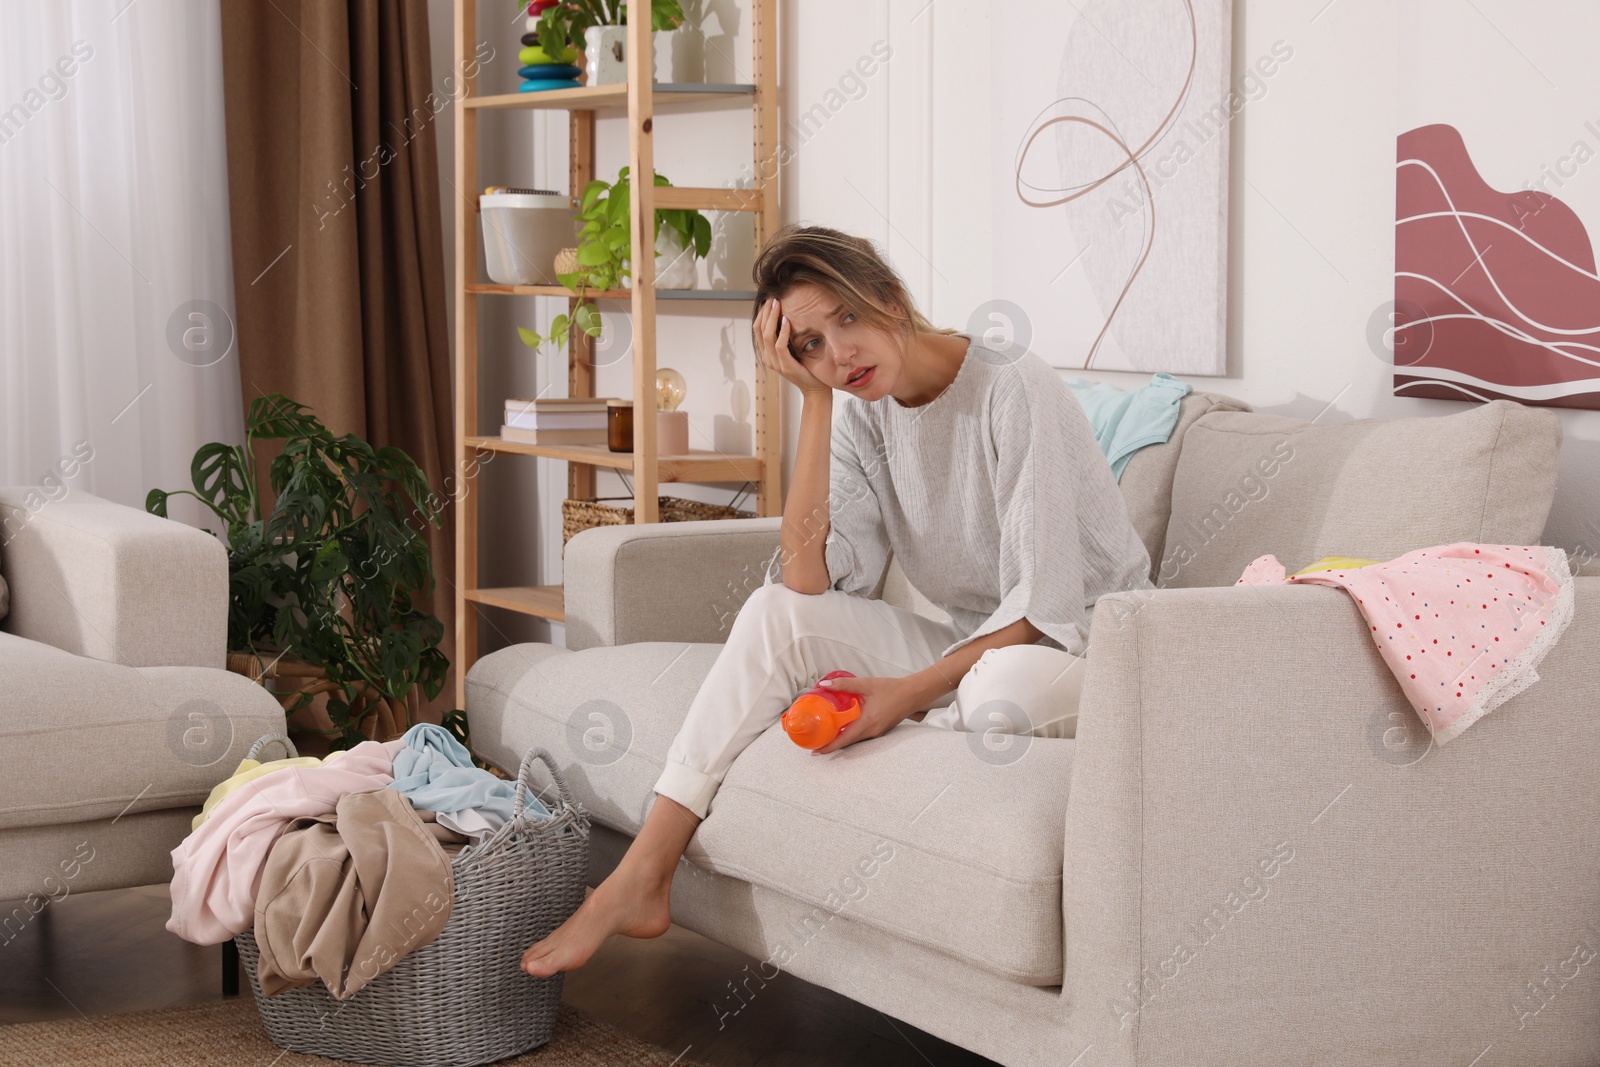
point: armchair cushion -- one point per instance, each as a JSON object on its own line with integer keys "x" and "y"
{"x": 1248, "y": 484}
{"x": 115, "y": 583}
{"x": 82, "y": 739}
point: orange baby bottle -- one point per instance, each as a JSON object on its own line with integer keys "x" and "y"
{"x": 817, "y": 715}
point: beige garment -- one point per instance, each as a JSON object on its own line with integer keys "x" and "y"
{"x": 450, "y": 840}
{"x": 344, "y": 897}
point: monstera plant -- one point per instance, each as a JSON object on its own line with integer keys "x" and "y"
{"x": 333, "y": 576}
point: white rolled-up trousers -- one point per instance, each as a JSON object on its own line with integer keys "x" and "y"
{"x": 782, "y": 642}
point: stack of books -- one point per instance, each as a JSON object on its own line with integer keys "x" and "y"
{"x": 578, "y": 420}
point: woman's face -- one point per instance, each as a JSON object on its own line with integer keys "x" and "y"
{"x": 830, "y": 341}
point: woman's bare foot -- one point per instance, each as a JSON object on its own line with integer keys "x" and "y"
{"x": 634, "y": 899}
{"x": 628, "y": 901}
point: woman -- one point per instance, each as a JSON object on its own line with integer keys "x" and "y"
{"x": 977, "y": 470}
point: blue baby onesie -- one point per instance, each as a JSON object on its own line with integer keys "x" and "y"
{"x": 1125, "y": 421}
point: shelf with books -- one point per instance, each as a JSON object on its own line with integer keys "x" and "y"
{"x": 556, "y": 419}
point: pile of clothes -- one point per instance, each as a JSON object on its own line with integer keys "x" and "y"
{"x": 341, "y": 865}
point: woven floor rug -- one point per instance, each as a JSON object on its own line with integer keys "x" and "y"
{"x": 229, "y": 1032}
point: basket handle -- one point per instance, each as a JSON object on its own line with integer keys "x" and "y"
{"x": 266, "y": 739}
{"x": 524, "y": 786}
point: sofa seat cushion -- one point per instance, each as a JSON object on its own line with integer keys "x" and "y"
{"x": 923, "y": 833}
{"x": 83, "y": 739}
{"x": 1248, "y": 484}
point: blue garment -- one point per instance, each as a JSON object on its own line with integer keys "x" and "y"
{"x": 435, "y": 773}
{"x": 1125, "y": 421}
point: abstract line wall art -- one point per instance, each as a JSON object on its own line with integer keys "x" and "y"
{"x": 1496, "y": 289}
{"x": 1110, "y": 149}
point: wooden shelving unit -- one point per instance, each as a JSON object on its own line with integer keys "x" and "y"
{"x": 639, "y": 100}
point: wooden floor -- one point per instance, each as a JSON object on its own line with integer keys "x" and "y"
{"x": 96, "y": 953}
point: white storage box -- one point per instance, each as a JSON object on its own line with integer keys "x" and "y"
{"x": 522, "y": 232}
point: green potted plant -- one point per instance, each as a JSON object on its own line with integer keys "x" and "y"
{"x": 605, "y": 244}
{"x": 329, "y": 582}
{"x": 594, "y": 27}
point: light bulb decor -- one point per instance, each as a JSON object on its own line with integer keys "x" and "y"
{"x": 669, "y": 389}
{"x": 672, "y": 425}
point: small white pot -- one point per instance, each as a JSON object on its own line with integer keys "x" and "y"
{"x": 674, "y": 262}
{"x": 605, "y": 53}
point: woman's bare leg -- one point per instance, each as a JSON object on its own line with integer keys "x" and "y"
{"x": 631, "y": 900}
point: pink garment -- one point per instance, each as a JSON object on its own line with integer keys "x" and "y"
{"x": 216, "y": 870}
{"x": 1462, "y": 626}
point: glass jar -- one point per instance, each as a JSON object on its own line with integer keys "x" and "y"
{"x": 619, "y": 425}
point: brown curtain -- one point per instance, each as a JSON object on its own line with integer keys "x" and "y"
{"x": 338, "y": 248}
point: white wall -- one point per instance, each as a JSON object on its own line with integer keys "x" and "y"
{"x": 903, "y": 158}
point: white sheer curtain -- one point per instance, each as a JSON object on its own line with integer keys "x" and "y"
{"x": 116, "y": 291}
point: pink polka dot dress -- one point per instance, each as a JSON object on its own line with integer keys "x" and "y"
{"x": 1462, "y": 626}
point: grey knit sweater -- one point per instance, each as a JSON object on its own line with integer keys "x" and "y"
{"x": 994, "y": 496}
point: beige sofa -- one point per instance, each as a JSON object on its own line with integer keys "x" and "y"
{"x": 116, "y": 715}
{"x": 1249, "y": 854}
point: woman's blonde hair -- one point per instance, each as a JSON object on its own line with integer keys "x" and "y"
{"x": 847, "y": 267}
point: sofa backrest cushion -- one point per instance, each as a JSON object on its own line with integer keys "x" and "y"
{"x": 1248, "y": 484}
{"x": 1147, "y": 476}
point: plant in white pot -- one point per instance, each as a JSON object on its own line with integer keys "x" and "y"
{"x": 598, "y": 28}
{"x": 605, "y": 244}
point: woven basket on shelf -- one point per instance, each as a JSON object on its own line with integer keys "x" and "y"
{"x": 566, "y": 261}
{"x": 463, "y": 998}
{"x": 579, "y": 515}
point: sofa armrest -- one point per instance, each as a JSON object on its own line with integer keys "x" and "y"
{"x": 114, "y": 583}
{"x": 668, "y": 581}
{"x": 1259, "y": 829}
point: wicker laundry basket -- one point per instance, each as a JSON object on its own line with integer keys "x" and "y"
{"x": 463, "y": 998}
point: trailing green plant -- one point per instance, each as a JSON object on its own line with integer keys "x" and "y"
{"x": 332, "y": 575}
{"x": 565, "y": 23}
{"x": 604, "y": 247}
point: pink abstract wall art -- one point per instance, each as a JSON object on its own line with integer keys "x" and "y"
{"x": 1496, "y": 293}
